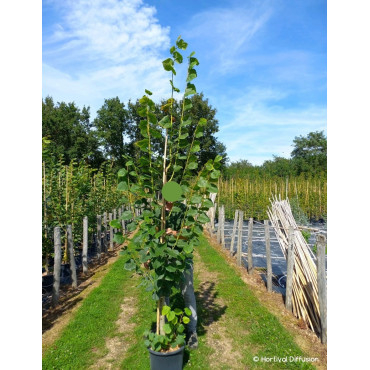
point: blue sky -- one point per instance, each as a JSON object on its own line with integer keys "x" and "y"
{"x": 262, "y": 63}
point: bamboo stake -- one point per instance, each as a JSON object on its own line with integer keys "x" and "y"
{"x": 304, "y": 284}
{"x": 290, "y": 266}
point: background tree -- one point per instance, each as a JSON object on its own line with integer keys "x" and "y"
{"x": 241, "y": 168}
{"x": 310, "y": 153}
{"x": 111, "y": 128}
{"x": 279, "y": 166}
{"x": 70, "y": 132}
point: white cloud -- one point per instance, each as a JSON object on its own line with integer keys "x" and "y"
{"x": 259, "y": 125}
{"x": 230, "y": 32}
{"x": 104, "y": 48}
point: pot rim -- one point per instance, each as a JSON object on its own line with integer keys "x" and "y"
{"x": 166, "y": 353}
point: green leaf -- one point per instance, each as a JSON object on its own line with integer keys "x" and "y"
{"x": 130, "y": 265}
{"x": 202, "y": 182}
{"x": 176, "y": 168}
{"x": 202, "y": 122}
{"x": 199, "y": 134}
{"x": 131, "y": 226}
{"x": 143, "y": 144}
{"x": 215, "y": 174}
{"x": 207, "y": 203}
{"x": 193, "y": 62}
{"x": 198, "y": 229}
{"x": 174, "y": 88}
{"x": 196, "y": 199}
{"x": 212, "y": 188}
{"x": 152, "y": 118}
{"x": 186, "y": 320}
{"x": 159, "y": 234}
{"x": 190, "y": 89}
{"x": 122, "y": 172}
{"x": 118, "y": 238}
{"x": 122, "y": 186}
{"x": 218, "y": 158}
{"x": 180, "y": 328}
{"x": 193, "y": 165}
{"x": 186, "y": 122}
{"x": 195, "y": 148}
{"x": 188, "y": 248}
{"x": 168, "y": 65}
{"x": 167, "y": 328}
{"x": 191, "y": 75}
{"x": 187, "y": 105}
{"x": 155, "y": 133}
{"x": 148, "y": 92}
{"x": 141, "y": 111}
{"x": 171, "y": 315}
{"x": 165, "y": 122}
{"x": 178, "y": 57}
{"x": 165, "y": 310}
{"x": 171, "y": 268}
{"x": 181, "y": 44}
{"x": 183, "y": 143}
{"x": 178, "y": 311}
{"x": 187, "y": 311}
{"x": 127, "y": 215}
{"x": 115, "y": 223}
{"x": 135, "y": 188}
{"x": 203, "y": 218}
{"x": 192, "y": 211}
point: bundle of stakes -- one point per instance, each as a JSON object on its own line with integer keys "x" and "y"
{"x": 305, "y": 301}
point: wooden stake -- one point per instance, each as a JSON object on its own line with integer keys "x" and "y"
{"x": 98, "y": 237}
{"x": 71, "y": 256}
{"x": 57, "y": 265}
{"x": 105, "y": 238}
{"x": 240, "y": 239}
{"x": 110, "y": 234}
{"x": 321, "y": 282}
{"x": 219, "y": 223}
{"x": 250, "y": 246}
{"x": 234, "y": 232}
{"x": 114, "y": 218}
{"x": 223, "y": 226}
{"x": 84, "y": 245}
{"x": 268, "y": 256}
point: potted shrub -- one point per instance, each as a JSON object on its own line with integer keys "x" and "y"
{"x": 166, "y": 173}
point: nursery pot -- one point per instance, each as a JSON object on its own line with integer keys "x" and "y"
{"x": 166, "y": 361}
{"x": 65, "y": 274}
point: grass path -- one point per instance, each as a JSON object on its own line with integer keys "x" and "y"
{"x": 233, "y": 326}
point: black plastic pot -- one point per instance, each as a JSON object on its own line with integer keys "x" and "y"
{"x": 47, "y": 283}
{"x": 166, "y": 361}
{"x": 65, "y": 274}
